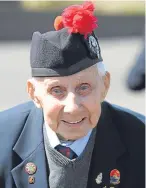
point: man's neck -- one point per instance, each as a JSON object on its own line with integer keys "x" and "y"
{"x": 61, "y": 138}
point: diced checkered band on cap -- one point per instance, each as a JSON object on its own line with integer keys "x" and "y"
{"x": 62, "y": 53}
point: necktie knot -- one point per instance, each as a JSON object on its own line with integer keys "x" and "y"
{"x": 66, "y": 151}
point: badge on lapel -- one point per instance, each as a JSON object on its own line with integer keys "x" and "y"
{"x": 30, "y": 168}
{"x": 31, "y": 179}
{"x": 99, "y": 179}
{"x": 114, "y": 177}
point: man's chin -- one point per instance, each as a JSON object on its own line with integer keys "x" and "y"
{"x": 71, "y": 137}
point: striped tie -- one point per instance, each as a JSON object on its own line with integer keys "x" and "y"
{"x": 66, "y": 151}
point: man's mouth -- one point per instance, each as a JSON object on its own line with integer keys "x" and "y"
{"x": 74, "y": 122}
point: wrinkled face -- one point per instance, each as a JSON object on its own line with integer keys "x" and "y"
{"x": 71, "y": 104}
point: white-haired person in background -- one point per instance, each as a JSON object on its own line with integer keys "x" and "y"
{"x": 68, "y": 136}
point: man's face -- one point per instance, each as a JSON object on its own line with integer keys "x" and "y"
{"x": 71, "y": 104}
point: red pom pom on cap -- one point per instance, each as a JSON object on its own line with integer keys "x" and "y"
{"x": 58, "y": 23}
{"x": 80, "y": 19}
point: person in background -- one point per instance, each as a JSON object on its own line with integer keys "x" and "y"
{"x": 68, "y": 136}
{"x": 136, "y": 76}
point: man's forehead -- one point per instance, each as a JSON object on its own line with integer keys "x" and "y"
{"x": 80, "y": 76}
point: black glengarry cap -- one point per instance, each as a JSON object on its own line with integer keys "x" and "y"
{"x": 72, "y": 48}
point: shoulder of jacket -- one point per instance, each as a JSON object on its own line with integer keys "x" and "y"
{"x": 21, "y": 108}
{"x": 13, "y": 119}
{"x": 127, "y": 113}
{"x": 131, "y": 128}
{"x": 12, "y": 122}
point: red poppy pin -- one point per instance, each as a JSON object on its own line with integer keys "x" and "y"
{"x": 115, "y": 177}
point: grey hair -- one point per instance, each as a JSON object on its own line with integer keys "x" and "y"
{"x": 100, "y": 67}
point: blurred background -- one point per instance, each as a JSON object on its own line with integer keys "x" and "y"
{"x": 121, "y": 37}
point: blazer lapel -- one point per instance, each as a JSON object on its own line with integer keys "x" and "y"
{"x": 107, "y": 149}
{"x": 30, "y": 148}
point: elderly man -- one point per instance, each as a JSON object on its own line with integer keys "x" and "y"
{"x": 69, "y": 137}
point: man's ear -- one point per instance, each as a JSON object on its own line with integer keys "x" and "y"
{"x": 32, "y": 93}
{"x": 106, "y": 81}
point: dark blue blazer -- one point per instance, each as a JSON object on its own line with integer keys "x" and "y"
{"x": 119, "y": 144}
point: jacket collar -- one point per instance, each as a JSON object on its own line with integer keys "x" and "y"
{"x": 31, "y": 134}
{"x": 30, "y": 148}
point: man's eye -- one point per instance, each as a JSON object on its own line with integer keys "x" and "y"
{"x": 57, "y": 91}
{"x": 84, "y": 89}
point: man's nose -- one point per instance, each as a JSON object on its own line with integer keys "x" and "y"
{"x": 71, "y": 103}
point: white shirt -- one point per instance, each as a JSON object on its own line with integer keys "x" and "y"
{"x": 77, "y": 146}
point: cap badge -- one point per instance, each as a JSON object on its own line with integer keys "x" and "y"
{"x": 94, "y": 46}
{"x": 30, "y": 168}
{"x": 99, "y": 179}
{"x": 115, "y": 177}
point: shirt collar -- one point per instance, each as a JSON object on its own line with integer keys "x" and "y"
{"x": 53, "y": 138}
{"x": 77, "y": 146}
